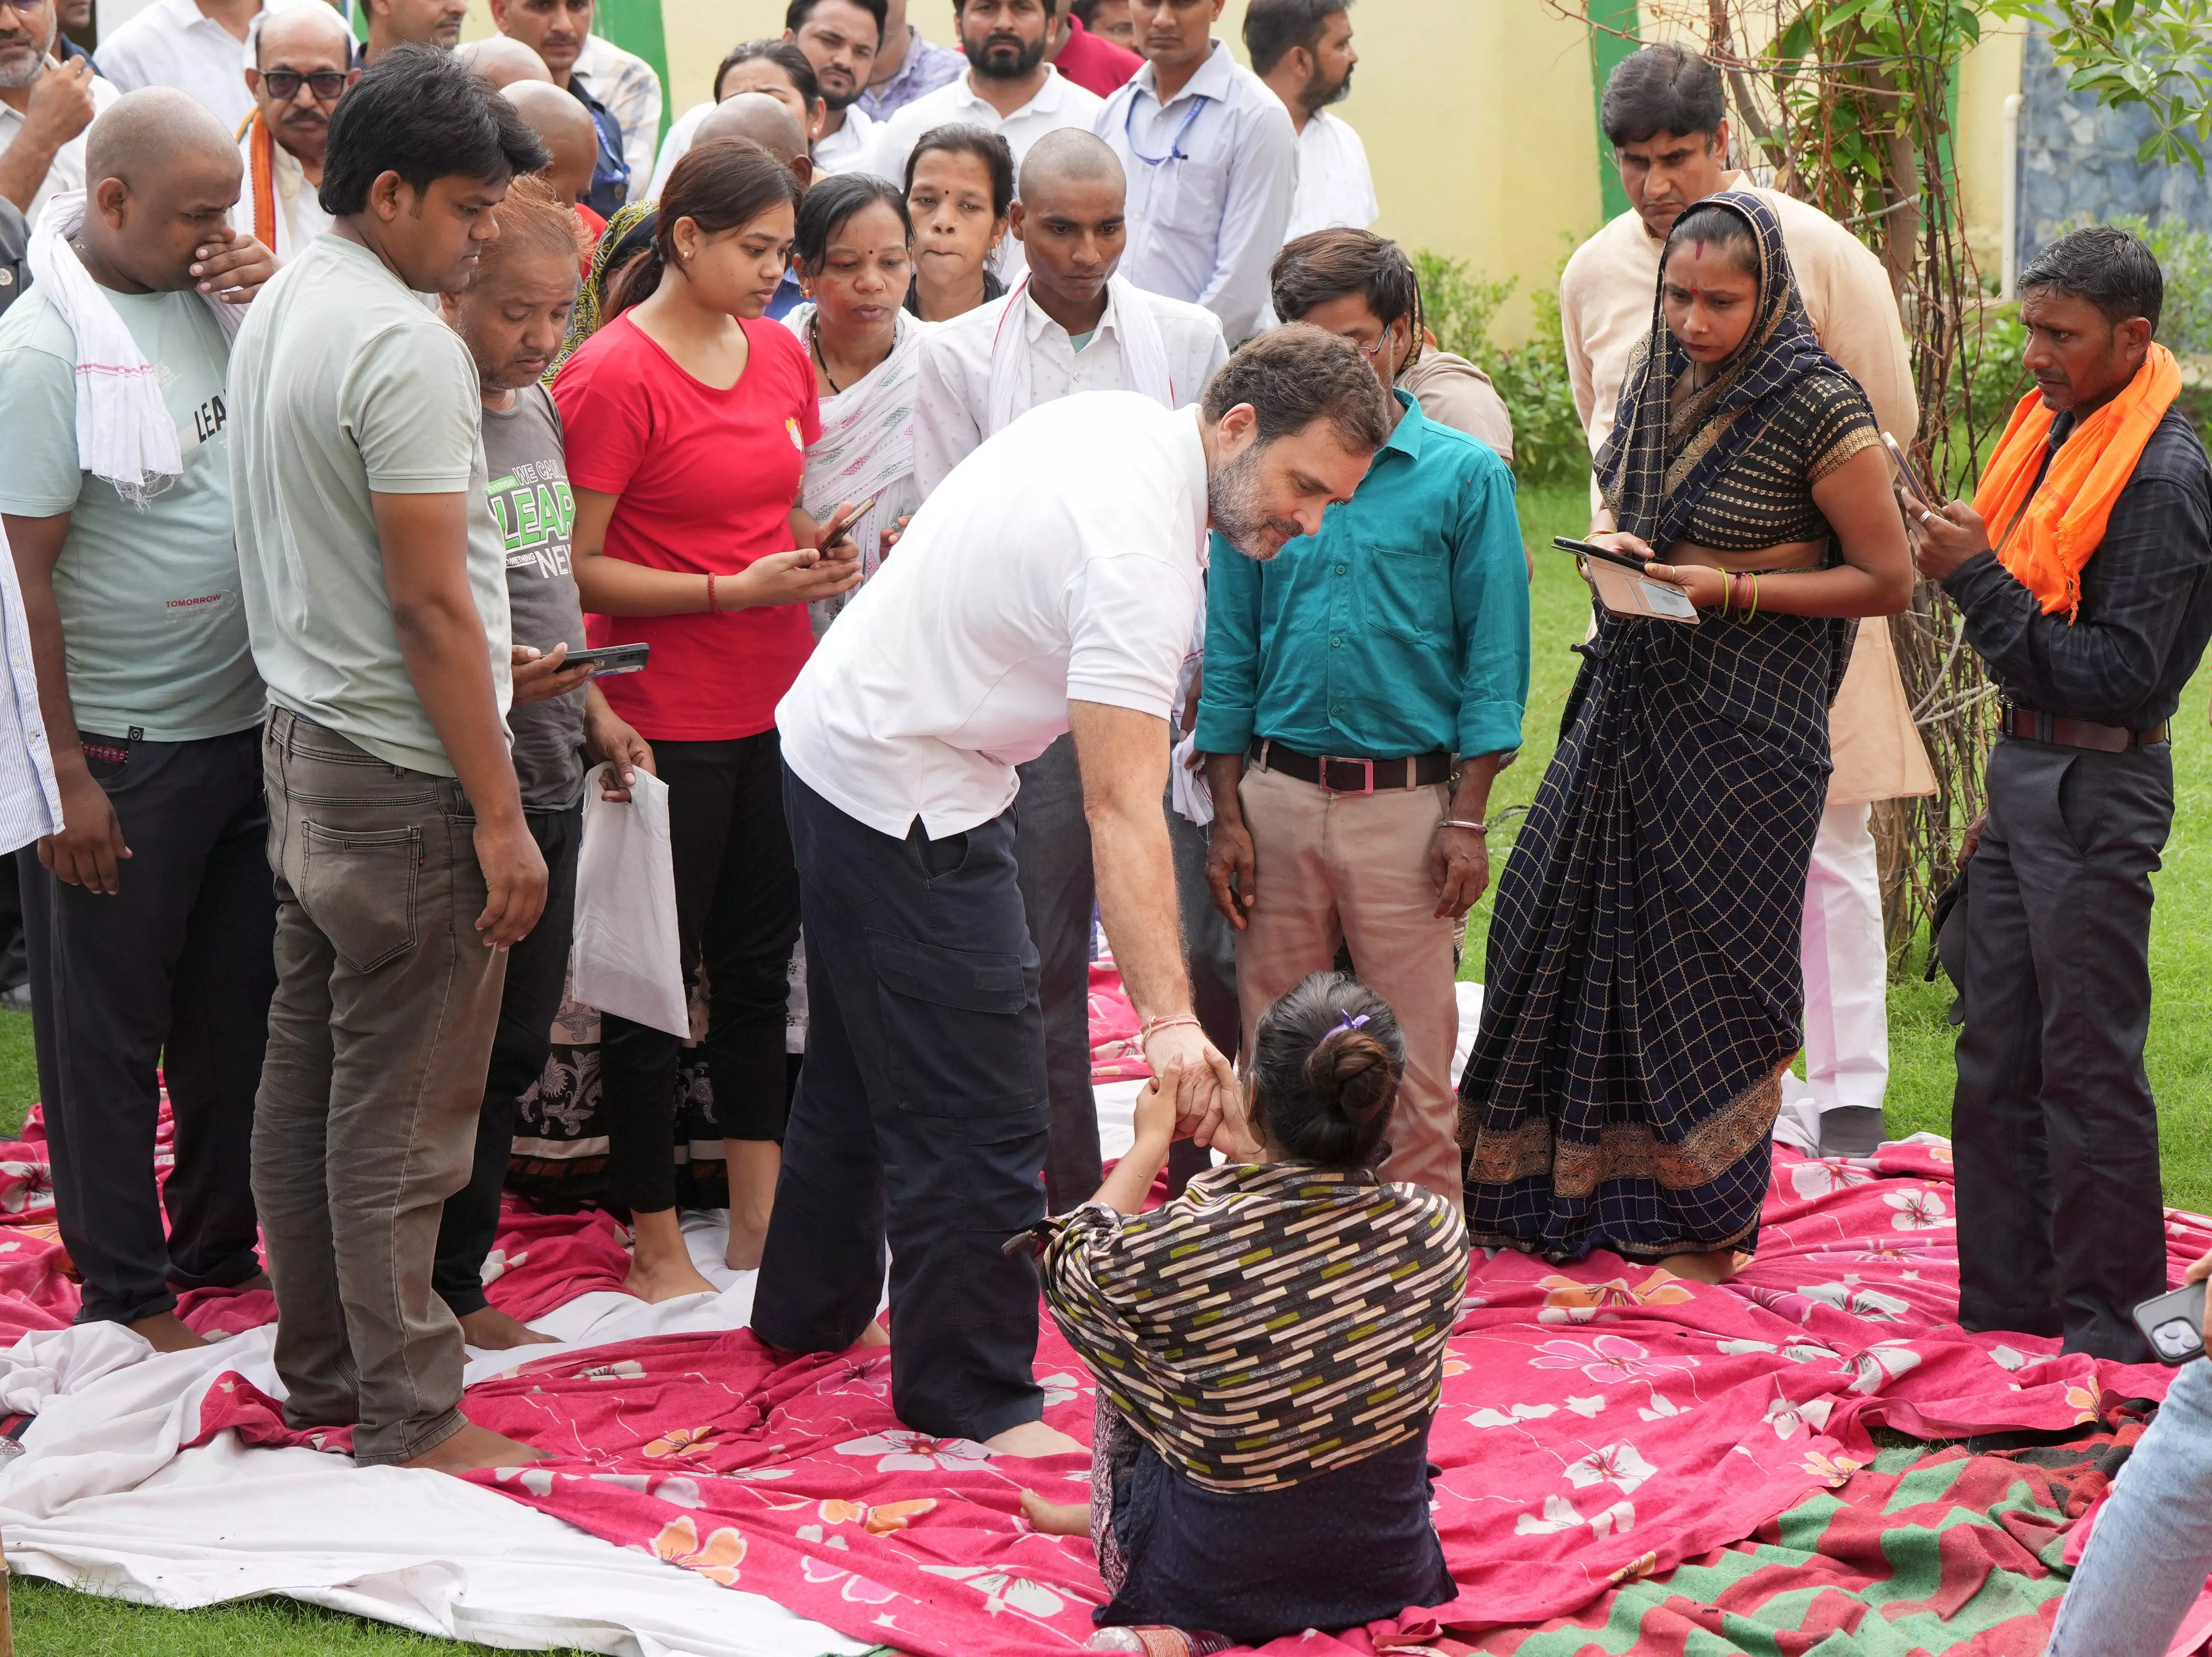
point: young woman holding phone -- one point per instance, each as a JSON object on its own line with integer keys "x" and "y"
{"x": 687, "y": 419}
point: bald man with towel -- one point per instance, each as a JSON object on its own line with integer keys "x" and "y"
{"x": 150, "y": 916}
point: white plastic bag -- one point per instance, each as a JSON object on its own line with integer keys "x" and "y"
{"x": 626, "y": 959}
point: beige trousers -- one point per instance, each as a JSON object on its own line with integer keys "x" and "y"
{"x": 1354, "y": 869}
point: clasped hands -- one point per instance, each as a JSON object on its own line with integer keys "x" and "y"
{"x": 1194, "y": 1095}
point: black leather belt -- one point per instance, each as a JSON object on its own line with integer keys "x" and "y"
{"x": 1342, "y": 776}
{"x": 2033, "y": 724}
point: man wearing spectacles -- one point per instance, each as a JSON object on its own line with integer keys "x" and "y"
{"x": 44, "y": 107}
{"x": 1213, "y": 164}
{"x": 302, "y": 63}
{"x": 1374, "y": 675}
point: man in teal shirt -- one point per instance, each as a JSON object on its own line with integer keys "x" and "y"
{"x": 1362, "y": 690}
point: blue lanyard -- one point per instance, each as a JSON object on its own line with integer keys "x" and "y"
{"x": 1175, "y": 149}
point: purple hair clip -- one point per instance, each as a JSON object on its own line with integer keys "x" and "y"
{"x": 1348, "y": 1022}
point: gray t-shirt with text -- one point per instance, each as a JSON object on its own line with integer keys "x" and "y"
{"x": 534, "y": 510}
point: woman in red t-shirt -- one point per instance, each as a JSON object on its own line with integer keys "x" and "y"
{"x": 687, "y": 419}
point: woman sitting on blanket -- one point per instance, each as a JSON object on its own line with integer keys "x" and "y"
{"x": 1246, "y": 1482}
{"x": 1641, "y": 996}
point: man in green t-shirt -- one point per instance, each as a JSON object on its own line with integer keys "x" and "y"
{"x": 376, "y": 591}
{"x": 147, "y": 918}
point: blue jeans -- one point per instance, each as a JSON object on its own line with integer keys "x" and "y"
{"x": 2146, "y": 1562}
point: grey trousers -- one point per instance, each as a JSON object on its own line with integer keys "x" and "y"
{"x": 1052, "y": 852}
{"x": 379, "y": 1038}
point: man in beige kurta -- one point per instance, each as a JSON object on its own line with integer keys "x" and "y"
{"x": 1666, "y": 116}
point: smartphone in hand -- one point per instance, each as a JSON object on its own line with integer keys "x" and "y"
{"x": 2175, "y": 1325}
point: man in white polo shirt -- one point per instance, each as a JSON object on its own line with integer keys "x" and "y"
{"x": 196, "y": 47}
{"x": 1049, "y": 585}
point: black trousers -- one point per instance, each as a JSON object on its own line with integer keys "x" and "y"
{"x": 736, "y": 917}
{"x": 176, "y": 971}
{"x": 2061, "y": 1224}
{"x": 536, "y": 972}
{"x": 920, "y": 1120}
{"x": 1052, "y": 851}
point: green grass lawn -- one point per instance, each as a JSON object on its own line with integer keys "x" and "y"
{"x": 55, "y": 1622}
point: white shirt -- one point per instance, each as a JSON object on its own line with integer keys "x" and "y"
{"x": 67, "y": 170}
{"x": 1058, "y": 103}
{"x": 1212, "y": 175}
{"x": 1335, "y": 188}
{"x": 849, "y": 146}
{"x": 953, "y": 393}
{"x": 30, "y": 797}
{"x": 673, "y": 148}
{"x": 172, "y": 43}
{"x": 299, "y": 216}
{"x": 1064, "y": 563}
{"x": 626, "y": 84}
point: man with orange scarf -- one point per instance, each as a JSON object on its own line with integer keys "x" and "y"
{"x": 2084, "y": 571}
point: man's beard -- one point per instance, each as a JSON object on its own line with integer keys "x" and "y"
{"x": 34, "y": 64}
{"x": 833, "y": 103}
{"x": 1319, "y": 94}
{"x": 981, "y": 59}
{"x": 1232, "y": 502}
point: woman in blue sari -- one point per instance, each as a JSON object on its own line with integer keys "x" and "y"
{"x": 1642, "y": 994}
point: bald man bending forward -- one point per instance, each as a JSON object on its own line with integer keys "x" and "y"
{"x": 153, "y": 712}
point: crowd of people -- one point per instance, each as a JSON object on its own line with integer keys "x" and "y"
{"x": 1039, "y": 503}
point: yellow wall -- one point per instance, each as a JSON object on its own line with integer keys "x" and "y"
{"x": 1478, "y": 116}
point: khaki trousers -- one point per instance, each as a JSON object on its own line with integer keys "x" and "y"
{"x": 379, "y": 1041}
{"x": 1354, "y": 869}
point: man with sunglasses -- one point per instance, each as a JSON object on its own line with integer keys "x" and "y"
{"x": 302, "y": 63}
{"x": 1213, "y": 164}
{"x": 1375, "y": 677}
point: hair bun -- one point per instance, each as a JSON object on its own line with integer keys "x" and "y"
{"x": 1350, "y": 1073}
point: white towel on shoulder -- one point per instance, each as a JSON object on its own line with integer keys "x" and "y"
{"x": 123, "y": 432}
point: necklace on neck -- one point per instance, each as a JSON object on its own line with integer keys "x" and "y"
{"x": 814, "y": 333}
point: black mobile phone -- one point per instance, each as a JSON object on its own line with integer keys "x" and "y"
{"x": 612, "y": 658}
{"x": 1591, "y": 549}
{"x": 1912, "y": 479}
{"x": 2175, "y": 1325}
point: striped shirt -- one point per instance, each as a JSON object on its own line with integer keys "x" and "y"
{"x": 1276, "y": 1322}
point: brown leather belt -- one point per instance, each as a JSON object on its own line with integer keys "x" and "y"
{"x": 2033, "y": 724}
{"x": 1343, "y": 776}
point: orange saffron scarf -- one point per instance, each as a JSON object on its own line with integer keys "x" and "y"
{"x": 261, "y": 180}
{"x": 2045, "y": 541}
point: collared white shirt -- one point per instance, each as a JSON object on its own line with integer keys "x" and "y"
{"x": 67, "y": 170}
{"x": 172, "y": 43}
{"x": 1212, "y": 175}
{"x": 299, "y": 216}
{"x": 952, "y": 394}
{"x": 30, "y": 797}
{"x": 1336, "y": 189}
{"x": 1063, "y": 562}
{"x": 849, "y": 146}
{"x": 1059, "y": 102}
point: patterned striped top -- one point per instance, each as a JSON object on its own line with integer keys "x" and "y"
{"x": 1276, "y": 1322}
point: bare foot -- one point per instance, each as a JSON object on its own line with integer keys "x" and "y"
{"x": 1055, "y": 1518}
{"x": 167, "y": 1332}
{"x": 474, "y": 1449}
{"x": 1034, "y": 1438}
{"x": 754, "y": 1167}
{"x": 1716, "y": 1266}
{"x": 874, "y": 1335}
{"x": 660, "y": 1265}
{"x": 494, "y": 1331}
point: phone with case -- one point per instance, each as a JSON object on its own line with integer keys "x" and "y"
{"x": 1624, "y": 589}
{"x": 2175, "y": 1325}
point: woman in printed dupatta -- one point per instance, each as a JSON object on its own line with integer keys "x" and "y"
{"x": 855, "y": 250}
{"x": 1642, "y": 995}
